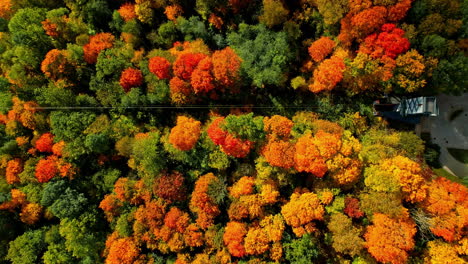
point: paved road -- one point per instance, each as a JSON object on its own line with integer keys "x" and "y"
{"x": 448, "y": 134}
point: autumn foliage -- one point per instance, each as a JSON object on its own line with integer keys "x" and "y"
{"x": 321, "y": 48}
{"x": 389, "y": 240}
{"x": 185, "y": 134}
{"x": 234, "y": 238}
{"x": 14, "y": 167}
{"x": 202, "y": 204}
{"x": 130, "y": 78}
{"x": 45, "y": 142}
{"x": 327, "y": 75}
{"x": 230, "y": 145}
{"x": 160, "y": 67}
{"x": 390, "y": 42}
{"x": 97, "y": 43}
{"x": 46, "y": 169}
{"x": 447, "y": 202}
{"x": 127, "y": 12}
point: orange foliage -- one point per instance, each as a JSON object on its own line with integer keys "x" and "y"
{"x": 368, "y": 20}
{"x": 186, "y": 63}
{"x": 130, "y": 78}
{"x": 301, "y": 210}
{"x": 21, "y": 141}
{"x": 123, "y": 251}
{"x": 398, "y": 11}
{"x": 328, "y": 74}
{"x": 216, "y": 21}
{"x": 180, "y": 90}
{"x": 278, "y": 125}
{"x": 14, "y": 168}
{"x": 45, "y": 142}
{"x": 46, "y": 169}
{"x": 50, "y": 28}
{"x": 226, "y": 65}
{"x": 328, "y": 144}
{"x": 97, "y": 43}
{"x": 448, "y": 203}
{"x": 177, "y": 219}
{"x": 244, "y": 186}
{"x": 160, "y": 67}
{"x": 172, "y": 12}
{"x": 256, "y": 241}
{"x": 127, "y": 12}
{"x": 388, "y": 240}
{"x": 55, "y": 64}
{"x": 234, "y": 237}
{"x": 202, "y": 204}
{"x": 202, "y": 80}
{"x": 150, "y": 216}
{"x": 5, "y": 9}
{"x": 170, "y": 187}
{"x": 185, "y": 134}
{"x": 18, "y": 198}
{"x": 110, "y": 205}
{"x": 307, "y": 157}
{"x": 57, "y": 148}
{"x": 31, "y": 213}
{"x": 193, "y": 236}
{"x": 321, "y": 48}
{"x": 279, "y": 153}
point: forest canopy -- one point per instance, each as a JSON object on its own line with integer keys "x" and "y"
{"x": 225, "y": 131}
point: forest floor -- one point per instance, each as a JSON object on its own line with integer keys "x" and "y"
{"x": 449, "y": 133}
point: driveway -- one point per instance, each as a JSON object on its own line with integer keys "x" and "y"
{"x": 449, "y": 134}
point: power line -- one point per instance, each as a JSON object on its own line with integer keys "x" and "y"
{"x": 160, "y": 107}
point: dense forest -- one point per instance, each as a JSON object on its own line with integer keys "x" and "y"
{"x": 225, "y": 131}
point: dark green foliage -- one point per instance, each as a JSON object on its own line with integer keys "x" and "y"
{"x": 265, "y": 54}
{"x": 26, "y": 29}
{"x": 97, "y": 143}
{"x": 104, "y": 180}
{"x": 69, "y": 204}
{"x": 450, "y": 75}
{"x": 192, "y": 28}
{"x": 303, "y": 250}
{"x": 68, "y": 126}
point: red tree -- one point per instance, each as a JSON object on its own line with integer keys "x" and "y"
{"x": 390, "y": 42}
{"x": 202, "y": 80}
{"x": 46, "y": 169}
{"x": 160, "y": 67}
{"x": 131, "y": 78}
{"x": 186, "y": 63}
{"x": 45, "y": 142}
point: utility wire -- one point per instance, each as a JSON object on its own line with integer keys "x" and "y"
{"x": 159, "y": 107}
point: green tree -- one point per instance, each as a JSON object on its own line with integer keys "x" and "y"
{"x": 27, "y": 248}
{"x": 265, "y": 54}
{"x": 303, "y": 250}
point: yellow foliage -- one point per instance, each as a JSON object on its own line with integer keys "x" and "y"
{"x": 442, "y": 253}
